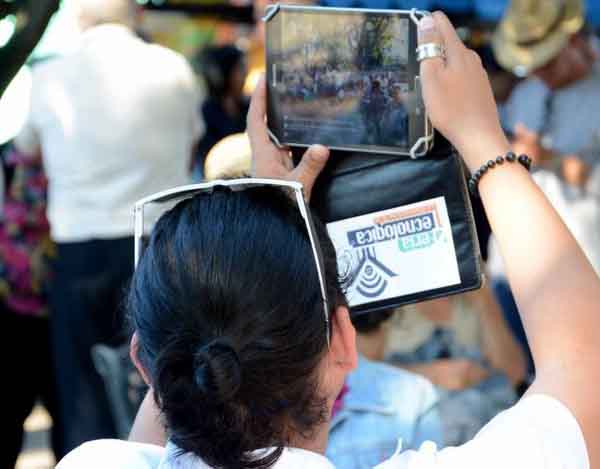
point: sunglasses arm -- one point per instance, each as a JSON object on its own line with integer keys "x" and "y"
{"x": 138, "y": 233}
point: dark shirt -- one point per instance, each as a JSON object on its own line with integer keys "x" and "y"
{"x": 219, "y": 124}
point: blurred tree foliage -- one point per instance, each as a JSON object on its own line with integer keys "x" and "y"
{"x": 32, "y": 18}
{"x": 375, "y": 39}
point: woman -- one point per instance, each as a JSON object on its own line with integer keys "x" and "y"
{"x": 25, "y": 278}
{"x": 243, "y": 368}
{"x": 225, "y": 109}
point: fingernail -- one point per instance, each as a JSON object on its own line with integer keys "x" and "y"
{"x": 426, "y": 23}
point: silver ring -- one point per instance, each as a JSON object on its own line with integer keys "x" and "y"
{"x": 430, "y": 50}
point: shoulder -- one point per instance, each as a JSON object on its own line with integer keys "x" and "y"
{"x": 530, "y": 86}
{"x": 114, "y": 454}
{"x": 394, "y": 385}
{"x": 389, "y": 372}
{"x": 538, "y": 432}
{"x": 368, "y": 369}
{"x": 178, "y": 63}
{"x": 48, "y": 69}
{"x": 530, "y": 89}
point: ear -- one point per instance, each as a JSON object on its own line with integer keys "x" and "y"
{"x": 342, "y": 350}
{"x": 134, "y": 348}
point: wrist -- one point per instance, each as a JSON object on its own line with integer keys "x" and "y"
{"x": 478, "y": 151}
{"x": 508, "y": 159}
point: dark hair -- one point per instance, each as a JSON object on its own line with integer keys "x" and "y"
{"x": 370, "y": 322}
{"x": 216, "y": 64}
{"x": 227, "y": 307}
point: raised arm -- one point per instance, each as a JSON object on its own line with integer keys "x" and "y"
{"x": 556, "y": 288}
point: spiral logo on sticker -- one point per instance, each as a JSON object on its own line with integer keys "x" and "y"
{"x": 347, "y": 268}
{"x": 371, "y": 284}
{"x": 366, "y": 271}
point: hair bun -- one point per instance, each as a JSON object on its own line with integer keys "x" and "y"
{"x": 218, "y": 372}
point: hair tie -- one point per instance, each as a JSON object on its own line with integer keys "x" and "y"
{"x": 218, "y": 370}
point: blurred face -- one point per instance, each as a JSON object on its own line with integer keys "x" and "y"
{"x": 572, "y": 64}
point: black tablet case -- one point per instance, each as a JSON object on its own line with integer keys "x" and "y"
{"x": 355, "y": 184}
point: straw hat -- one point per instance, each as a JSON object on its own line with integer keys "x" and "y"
{"x": 533, "y": 32}
{"x": 230, "y": 158}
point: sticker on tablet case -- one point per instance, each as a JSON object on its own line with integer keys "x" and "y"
{"x": 396, "y": 252}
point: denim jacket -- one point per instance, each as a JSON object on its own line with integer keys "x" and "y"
{"x": 383, "y": 405}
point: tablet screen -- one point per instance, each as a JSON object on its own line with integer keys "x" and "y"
{"x": 343, "y": 79}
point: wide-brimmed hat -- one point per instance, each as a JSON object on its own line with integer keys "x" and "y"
{"x": 533, "y": 32}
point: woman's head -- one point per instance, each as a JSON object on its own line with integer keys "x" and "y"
{"x": 224, "y": 70}
{"x": 230, "y": 329}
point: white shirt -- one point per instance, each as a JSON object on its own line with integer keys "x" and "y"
{"x": 537, "y": 433}
{"x": 115, "y": 121}
{"x": 579, "y": 207}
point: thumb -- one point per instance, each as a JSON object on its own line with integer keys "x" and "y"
{"x": 309, "y": 168}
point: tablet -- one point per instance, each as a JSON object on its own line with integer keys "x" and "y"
{"x": 345, "y": 78}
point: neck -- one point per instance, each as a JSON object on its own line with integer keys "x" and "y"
{"x": 317, "y": 443}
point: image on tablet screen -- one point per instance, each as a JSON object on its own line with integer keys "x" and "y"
{"x": 344, "y": 79}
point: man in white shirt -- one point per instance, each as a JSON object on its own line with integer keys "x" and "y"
{"x": 114, "y": 120}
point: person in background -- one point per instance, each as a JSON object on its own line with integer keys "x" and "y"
{"x": 25, "y": 252}
{"x": 230, "y": 158}
{"x": 380, "y": 404}
{"x": 547, "y": 41}
{"x": 396, "y": 126}
{"x": 552, "y": 118}
{"x": 463, "y": 345}
{"x": 226, "y": 107}
{"x": 114, "y": 120}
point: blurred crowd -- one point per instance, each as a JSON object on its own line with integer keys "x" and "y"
{"x": 120, "y": 117}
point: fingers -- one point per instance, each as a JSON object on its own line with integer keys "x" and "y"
{"x": 428, "y": 33}
{"x": 450, "y": 39}
{"x": 257, "y": 128}
{"x": 310, "y": 166}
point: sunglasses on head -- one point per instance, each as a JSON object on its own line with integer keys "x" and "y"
{"x": 177, "y": 194}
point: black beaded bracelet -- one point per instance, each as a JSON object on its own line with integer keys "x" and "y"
{"x": 509, "y": 157}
